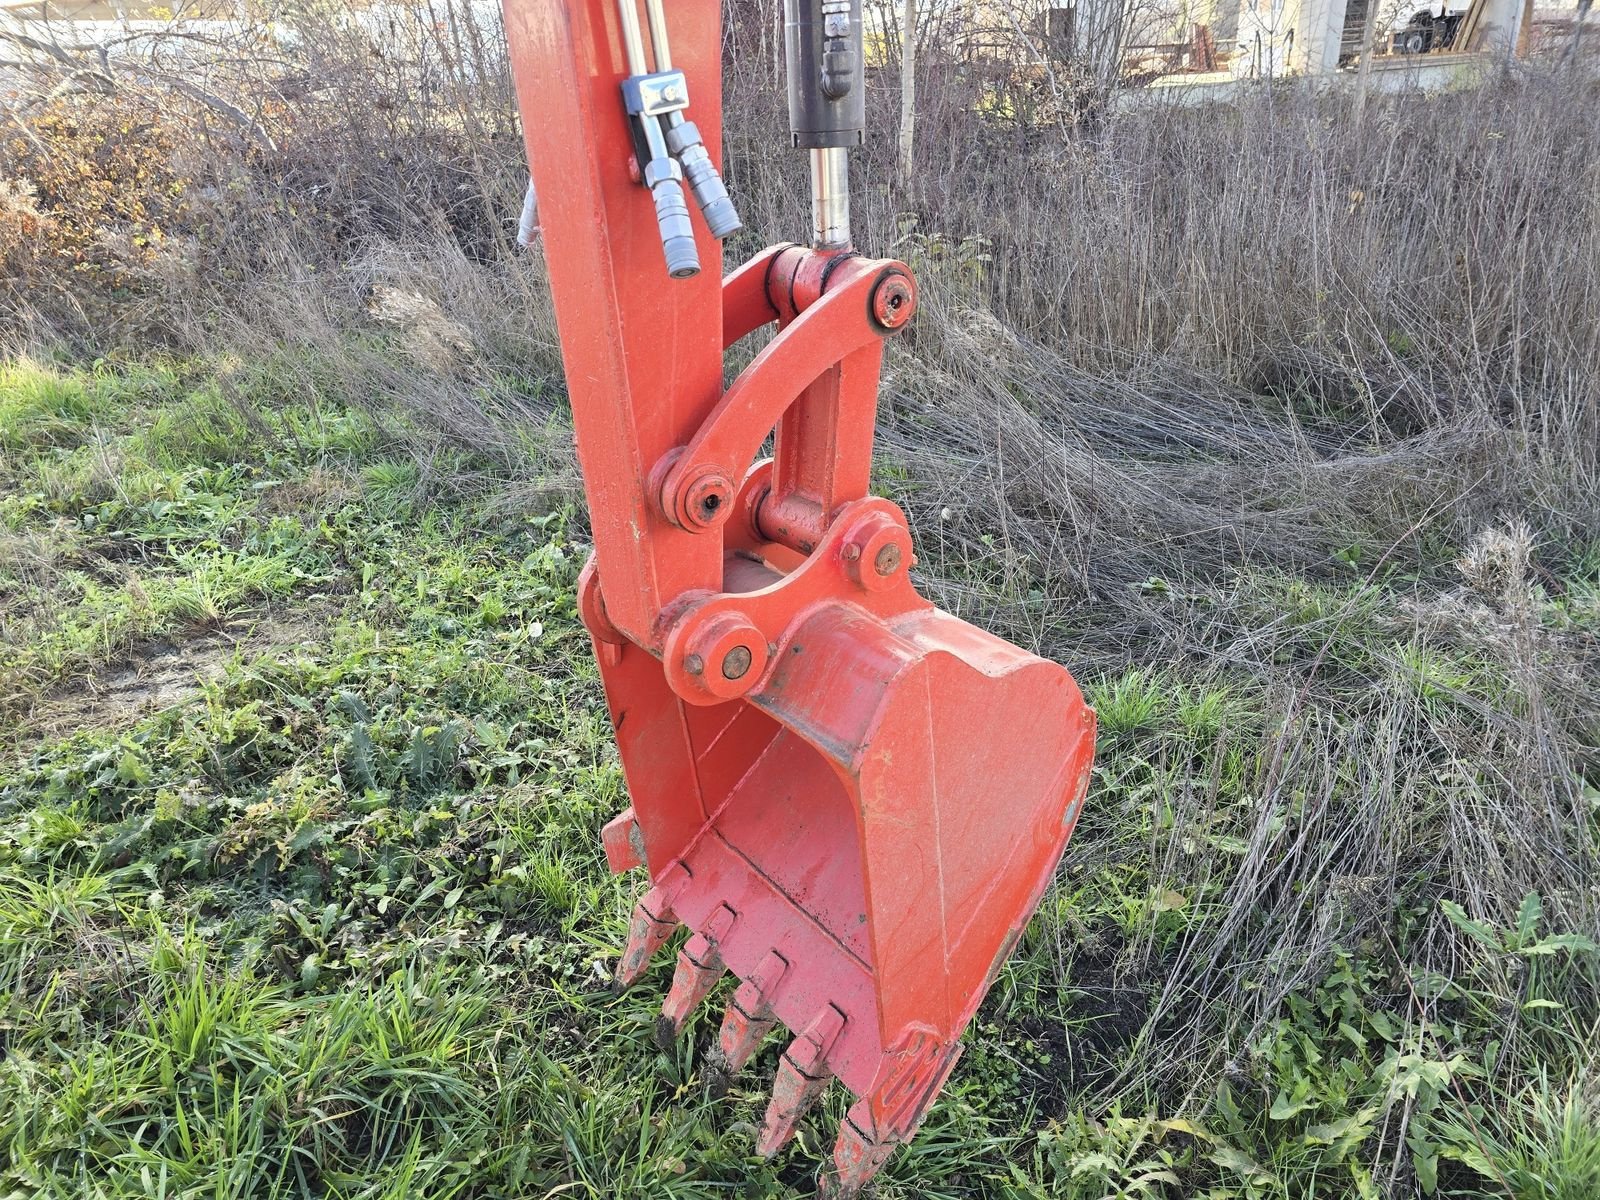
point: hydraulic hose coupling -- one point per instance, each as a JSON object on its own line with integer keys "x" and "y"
{"x": 668, "y": 145}
{"x": 683, "y": 139}
{"x": 664, "y": 178}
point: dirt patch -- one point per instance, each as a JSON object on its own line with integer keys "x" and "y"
{"x": 168, "y": 671}
{"x": 1082, "y": 1043}
{"x": 1088, "y": 1049}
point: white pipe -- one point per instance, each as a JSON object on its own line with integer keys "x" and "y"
{"x": 528, "y": 223}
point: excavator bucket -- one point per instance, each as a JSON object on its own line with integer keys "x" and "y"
{"x": 851, "y": 800}
{"x": 860, "y": 845}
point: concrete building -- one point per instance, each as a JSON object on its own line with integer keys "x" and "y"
{"x": 1300, "y": 37}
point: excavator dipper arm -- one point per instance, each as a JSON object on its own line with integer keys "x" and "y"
{"x": 852, "y": 800}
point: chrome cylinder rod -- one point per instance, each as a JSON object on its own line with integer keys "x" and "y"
{"x": 632, "y": 37}
{"x": 656, "y": 14}
{"x": 830, "y": 198}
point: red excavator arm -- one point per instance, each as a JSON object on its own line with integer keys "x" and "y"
{"x": 853, "y": 800}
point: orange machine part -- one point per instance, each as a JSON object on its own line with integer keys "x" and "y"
{"x": 853, "y": 800}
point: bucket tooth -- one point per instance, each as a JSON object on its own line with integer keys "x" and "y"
{"x": 749, "y": 1017}
{"x": 793, "y": 1093}
{"x": 858, "y": 1155}
{"x": 915, "y": 1068}
{"x": 623, "y": 841}
{"x": 699, "y": 967}
{"x": 803, "y": 1074}
{"x": 742, "y": 1031}
{"x": 652, "y": 924}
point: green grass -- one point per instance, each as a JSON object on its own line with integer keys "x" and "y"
{"x": 337, "y": 922}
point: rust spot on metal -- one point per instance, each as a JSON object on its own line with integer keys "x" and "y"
{"x": 893, "y": 302}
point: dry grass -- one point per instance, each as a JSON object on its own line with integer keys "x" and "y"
{"x": 1293, "y": 417}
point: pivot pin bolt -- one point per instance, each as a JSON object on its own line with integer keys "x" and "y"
{"x": 893, "y": 302}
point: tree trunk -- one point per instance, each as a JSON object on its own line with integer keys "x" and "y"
{"x": 908, "y": 88}
{"x": 1369, "y": 29}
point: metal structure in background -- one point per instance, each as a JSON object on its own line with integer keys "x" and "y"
{"x": 852, "y": 800}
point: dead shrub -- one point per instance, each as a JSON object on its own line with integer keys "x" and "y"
{"x": 94, "y": 194}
